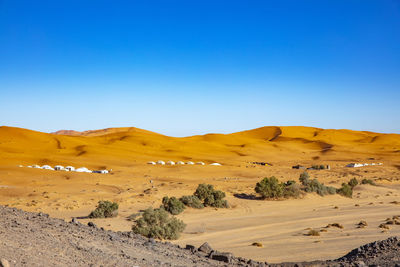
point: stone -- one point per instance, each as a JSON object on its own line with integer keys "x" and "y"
{"x": 206, "y": 248}
{"x": 91, "y": 224}
{"x": 222, "y": 256}
{"x": 4, "y": 263}
{"x": 190, "y": 247}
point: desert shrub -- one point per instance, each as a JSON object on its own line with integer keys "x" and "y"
{"x": 331, "y": 190}
{"x": 157, "y": 223}
{"x": 105, "y": 209}
{"x": 172, "y": 205}
{"x": 291, "y": 189}
{"x": 192, "y": 201}
{"x": 211, "y": 197}
{"x": 367, "y": 181}
{"x": 318, "y": 167}
{"x": 313, "y": 232}
{"x": 346, "y": 190}
{"x": 315, "y": 186}
{"x": 353, "y": 182}
{"x": 304, "y": 178}
{"x": 270, "y": 187}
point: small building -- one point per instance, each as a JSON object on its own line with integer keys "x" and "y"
{"x": 70, "y": 168}
{"x": 59, "y": 168}
{"x": 170, "y": 162}
{"x": 160, "y": 162}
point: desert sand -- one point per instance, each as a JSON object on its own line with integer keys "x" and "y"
{"x": 279, "y": 225}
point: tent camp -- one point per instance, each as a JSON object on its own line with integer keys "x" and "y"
{"x": 160, "y": 162}
{"x": 190, "y": 163}
{"x": 59, "y": 168}
{"x": 83, "y": 169}
{"x": 70, "y": 168}
{"x": 170, "y": 162}
{"x": 180, "y": 163}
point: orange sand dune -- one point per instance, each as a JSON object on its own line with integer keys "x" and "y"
{"x": 119, "y": 146}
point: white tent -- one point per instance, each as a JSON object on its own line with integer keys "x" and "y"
{"x": 70, "y": 168}
{"x": 215, "y": 164}
{"x": 59, "y": 168}
{"x": 83, "y": 169}
{"x": 190, "y": 163}
{"x": 200, "y": 163}
{"x": 47, "y": 167}
{"x": 170, "y": 162}
{"x": 180, "y": 163}
{"x": 101, "y": 171}
{"x": 354, "y": 165}
{"x": 160, "y": 162}
{"x": 36, "y": 166}
{"x": 151, "y": 163}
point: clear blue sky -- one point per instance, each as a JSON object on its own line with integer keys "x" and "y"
{"x": 191, "y": 67}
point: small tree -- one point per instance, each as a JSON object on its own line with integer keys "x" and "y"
{"x": 192, "y": 201}
{"x": 157, "y": 223}
{"x": 172, "y": 205}
{"x": 269, "y": 187}
{"x": 105, "y": 209}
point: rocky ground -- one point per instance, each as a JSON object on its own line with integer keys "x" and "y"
{"x": 35, "y": 239}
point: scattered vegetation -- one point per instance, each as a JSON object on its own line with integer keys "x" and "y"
{"x": 257, "y": 244}
{"x": 318, "y": 167}
{"x": 192, "y": 201}
{"x": 211, "y": 197}
{"x": 337, "y": 225}
{"x": 157, "y": 223}
{"x": 105, "y": 209}
{"x": 362, "y": 224}
{"x": 315, "y": 186}
{"x": 271, "y": 188}
{"x": 313, "y": 232}
{"x": 367, "y": 181}
{"x": 172, "y": 205}
{"x": 353, "y": 182}
{"x": 346, "y": 190}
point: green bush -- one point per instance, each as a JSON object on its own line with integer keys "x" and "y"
{"x": 105, "y": 209}
{"x": 211, "y": 197}
{"x": 346, "y": 190}
{"x": 353, "y": 182}
{"x": 315, "y": 186}
{"x": 157, "y": 223}
{"x": 367, "y": 181}
{"x": 291, "y": 190}
{"x": 270, "y": 187}
{"x": 172, "y": 205}
{"x": 192, "y": 201}
{"x": 304, "y": 178}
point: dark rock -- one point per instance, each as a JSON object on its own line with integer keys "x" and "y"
{"x": 206, "y": 248}
{"x": 190, "y": 247}
{"x": 221, "y": 256}
{"x": 91, "y": 224}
